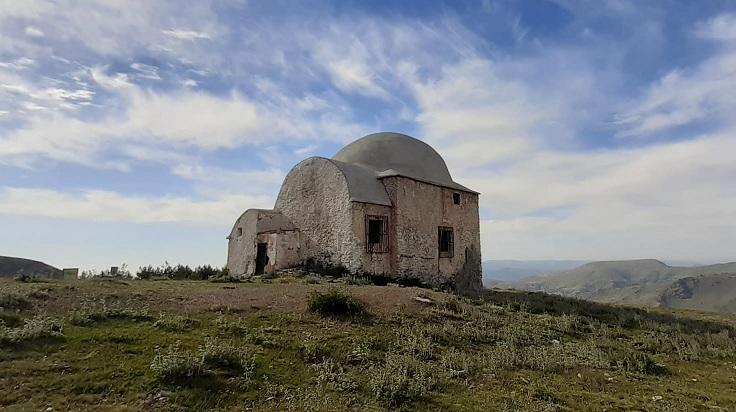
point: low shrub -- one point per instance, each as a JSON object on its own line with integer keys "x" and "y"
{"x": 35, "y": 329}
{"x": 13, "y": 301}
{"x": 332, "y": 375}
{"x": 458, "y": 364}
{"x": 29, "y": 279}
{"x": 216, "y": 353}
{"x": 225, "y": 279}
{"x": 401, "y": 380}
{"x": 335, "y": 303}
{"x": 10, "y": 319}
{"x": 635, "y": 361}
{"x": 173, "y": 364}
{"x": 174, "y": 323}
{"x": 314, "y": 352}
{"x": 90, "y": 313}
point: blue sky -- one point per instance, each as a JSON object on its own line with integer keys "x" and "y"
{"x": 137, "y": 131}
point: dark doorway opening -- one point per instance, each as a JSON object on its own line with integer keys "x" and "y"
{"x": 261, "y": 258}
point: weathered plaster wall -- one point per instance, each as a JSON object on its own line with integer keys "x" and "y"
{"x": 241, "y": 250}
{"x": 266, "y": 226}
{"x": 283, "y": 250}
{"x": 315, "y": 198}
{"x": 420, "y": 208}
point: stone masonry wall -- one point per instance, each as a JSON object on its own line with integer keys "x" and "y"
{"x": 420, "y": 208}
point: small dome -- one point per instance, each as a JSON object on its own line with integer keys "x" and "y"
{"x": 397, "y": 154}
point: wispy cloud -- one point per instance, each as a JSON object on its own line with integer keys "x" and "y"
{"x": 186, "y": 34}
{"x": 106, "y": 206}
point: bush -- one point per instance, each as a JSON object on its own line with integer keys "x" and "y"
{"x": 401, "y": 380}
{"x": 29, "y": 279}
{"x": 180, "y": 272}
{"x": 216, "y": 353}
{"x": 14, "y": 302}
{"x": 335, "y": 303}
{"x": 174, "y": 323}
{"x": 91, "y": 313}
{"x": 332, "y": 375}
{"x": 314, "y": 352}
{"x": 635, "y": 361}
{"x": 174, "y": 364}
{"x": 34, "y": 329}
{"x": 225, "y": 279}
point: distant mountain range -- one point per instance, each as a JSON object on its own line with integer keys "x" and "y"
{"x": 14, "y": 266}
{"x": 645, "y": 282}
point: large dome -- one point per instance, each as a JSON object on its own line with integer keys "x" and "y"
{"x": 397, "y": 154}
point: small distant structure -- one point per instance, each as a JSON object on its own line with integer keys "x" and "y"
{"x": 385, "y": 205}
{"x": 113, "y": 271}
{"x": 71, "y": 273}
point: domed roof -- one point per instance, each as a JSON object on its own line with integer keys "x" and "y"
{"x": 391, "y": 154}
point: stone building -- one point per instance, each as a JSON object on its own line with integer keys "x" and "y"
{"x": 383, "y": 205}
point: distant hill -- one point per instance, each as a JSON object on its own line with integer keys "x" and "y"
{"x": 495, "y": 271}
{"x": 716, "y": 293}
{"x": 634, "y": 282}
{"x": 14, "y": 266}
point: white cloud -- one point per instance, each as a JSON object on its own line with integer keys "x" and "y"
{"x": 146, "y": 71}
{"x": 20, "y": 63}
{"x": 105, "y": 206}
{"x": 33, "y": 32}
{"x": 684, "y": 96}
{"x": 179, "y": 120}
{"x": 186, "y": 34}
{"x": 721, "y": 27}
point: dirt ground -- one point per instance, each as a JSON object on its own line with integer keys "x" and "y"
{"x": 203, "y": 296}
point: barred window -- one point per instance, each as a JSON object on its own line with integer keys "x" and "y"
{"x": 445, "y": 242}
{"x": 376, "y": 234}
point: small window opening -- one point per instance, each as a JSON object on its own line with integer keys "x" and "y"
{"x": 456, "y": 198}
{"x": 445, "y": 242}
{"x": 240, "y": 231}
{"x": 376, "y": 234}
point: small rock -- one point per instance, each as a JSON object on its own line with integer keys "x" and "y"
{"x": 656, "y": 398}
{"x": 423, "y": 300}
{"x": 555, "y": 342}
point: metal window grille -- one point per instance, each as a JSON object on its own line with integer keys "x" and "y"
{"x": 376, "y": 234}
{"x": 445, "y": 242}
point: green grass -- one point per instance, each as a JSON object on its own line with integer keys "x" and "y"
{"x": 98, "y": 346}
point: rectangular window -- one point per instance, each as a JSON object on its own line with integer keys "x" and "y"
{"x": 445, "y": 242}
{"x": 376, "y": 234}
{"x": 240, "y": 231}
{"x": 456, "y": 198}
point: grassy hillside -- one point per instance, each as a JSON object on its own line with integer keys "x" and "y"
{"x": 187, "y": 345}
{"x": 14, "y": 266}
{"x": 633, "y": 282}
